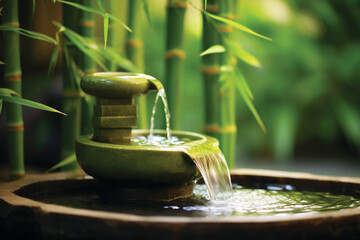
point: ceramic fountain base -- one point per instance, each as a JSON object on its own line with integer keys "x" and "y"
{"x": 22, "y": 217}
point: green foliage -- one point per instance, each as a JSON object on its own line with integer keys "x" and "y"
{"x": 307, "y": 89}
{"x": 95, "y": 51}
{"x": 8, "y": 95}
{"x": 95, "y": 11}
{"x": 235, "y": 25}
{"x": 30, "y": 34}
{"x": 242, "y": 54}
{"x": 213, "y": 49}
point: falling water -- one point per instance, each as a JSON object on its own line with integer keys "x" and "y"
{"x": 214, "y": 170}
{"x": 161, "y": 93}
{"x": 209, "y": 160}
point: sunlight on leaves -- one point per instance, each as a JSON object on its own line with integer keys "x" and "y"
{"x": 106, "y": 28}
{"x": 213, "y": 49}
{"x": 243, "y": 55}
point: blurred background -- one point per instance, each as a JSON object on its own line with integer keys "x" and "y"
{"x": 307, "y": 91}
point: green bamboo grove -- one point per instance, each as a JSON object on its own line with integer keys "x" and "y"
{"x": 14, "y": 119}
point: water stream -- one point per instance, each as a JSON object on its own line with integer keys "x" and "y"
{"x": 210, "y": 161}
{"x": 161, "y": 93}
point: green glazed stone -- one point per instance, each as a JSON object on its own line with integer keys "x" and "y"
{"x": 114, "y": 122}
{"x": 118, "y": 85}
{"x": 144, "y": 165}
{"x": 115, "y": 135}
{"x": 115, "y": 110}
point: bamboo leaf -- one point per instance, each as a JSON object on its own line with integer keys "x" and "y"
{"x": 29, "y": 103}
{"x": 112, "y": 17}
{"x": 213, "y": 49}
{"x": 7, "y": 92}
{"x": 146, "y": 10}
{"x": 30, "y": 34}
{"x": 243, "y": 83}
{"x": 84, "y": 45}
{"x": 1, "y": 62}
{"x": 80, "y": 6}
{"x": 250, "y": 105}
{"x": 71, "y": 65}
{"x": 100, "y": 5}
{"x": 235, "y": 25}
{"x": 1, "y": 103}
{"x": 53, "y": 62}
{"x": 243, "y": 55}
{"x": 64, "y": 162}
{"x": 106, "y": 28}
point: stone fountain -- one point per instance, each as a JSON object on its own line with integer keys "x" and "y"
{"x": 140, "y": 176}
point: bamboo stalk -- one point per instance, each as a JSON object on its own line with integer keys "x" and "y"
{"x": 227, "y": 136}
{"x": 135, "y": 53}
{"x": 71, "y": 96}
{"x": 174, "y": 56}
{"x": 14, "y": 119}
{"x": 110, "y": 6}
{"x": 211, "y": 72}
{"x": 87, "y": 29}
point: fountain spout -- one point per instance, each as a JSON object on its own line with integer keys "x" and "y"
{"x": 114, "y": 112}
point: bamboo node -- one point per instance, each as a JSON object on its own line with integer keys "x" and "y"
{"x": 229, "y": 129}
{"x": 234, "y": 60}
{"x": 134, "y": 43}
{"x": 15, "y": 127}
{"x": 91, "y": 71}
{"x": 213, "y": 70}
{"x": 87, "y": 23}
{"x": 13, "y": 78}
{"x": 14, "y": 24}
{"x": 175, "y": 53}
{"x": 213, "y": 128}
{"x": 230, "y": 16}
{"x": 223, "y": 93}
{"x": 71, "y": 93}
{"x": 178, "y": 4}
{"x": 225, "y": 28}
{"x": 212, "y": 9}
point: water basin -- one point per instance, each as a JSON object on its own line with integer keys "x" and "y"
{"x": 21, "y": 209}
